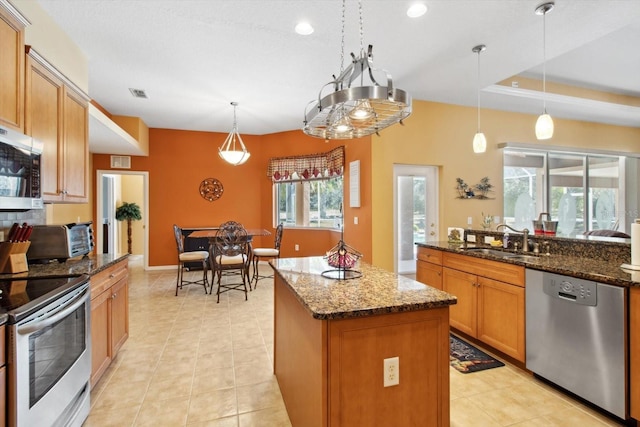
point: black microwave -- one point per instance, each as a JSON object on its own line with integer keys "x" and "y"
{"x": 20, "y": 160}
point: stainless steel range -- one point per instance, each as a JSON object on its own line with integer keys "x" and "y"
{"x": 49, "y": 350}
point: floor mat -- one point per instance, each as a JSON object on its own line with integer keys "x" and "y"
{"x": 466, "y": 358}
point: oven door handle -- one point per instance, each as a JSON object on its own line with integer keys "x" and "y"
{"x": 65, "y": 310}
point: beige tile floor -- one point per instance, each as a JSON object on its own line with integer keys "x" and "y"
{"x": 191, "y": 362}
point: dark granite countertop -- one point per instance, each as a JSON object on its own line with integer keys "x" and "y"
{"x": 75, "y": 266}
{"x": 590, "y": 268}
{"x": 91, "y": 265}
{"x": 376, "y": 292}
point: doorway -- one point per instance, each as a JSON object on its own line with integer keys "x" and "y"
{"x": 415, "y": 218}
{"x": 110, "y": 189}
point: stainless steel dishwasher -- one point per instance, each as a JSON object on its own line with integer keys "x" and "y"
{"x": 577, "y": 337}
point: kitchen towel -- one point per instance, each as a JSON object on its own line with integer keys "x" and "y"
{"x": 635, "y": 248}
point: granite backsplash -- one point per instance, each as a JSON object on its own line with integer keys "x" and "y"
{"x": 603, "y": 248}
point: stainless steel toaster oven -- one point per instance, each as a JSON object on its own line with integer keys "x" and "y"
{"x": 61, "y": 242}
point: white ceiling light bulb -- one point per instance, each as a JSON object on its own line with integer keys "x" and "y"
{"x": 362, "y": 111}
{"x": 416, "y": 10}
{"x": 304, "y": 28}
{"x": 544, "y": 124}
{"x": 233, "y": 150}
{"x": 479, "y": 140}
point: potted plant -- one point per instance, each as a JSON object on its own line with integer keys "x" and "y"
{"x": 128, "y": 212}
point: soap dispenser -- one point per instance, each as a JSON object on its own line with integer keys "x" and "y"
{"x": 505, "y": 241}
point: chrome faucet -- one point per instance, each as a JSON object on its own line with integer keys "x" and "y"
{"x": 525, "y": 235}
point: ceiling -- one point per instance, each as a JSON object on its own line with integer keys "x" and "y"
{"x": 193, "y": 57}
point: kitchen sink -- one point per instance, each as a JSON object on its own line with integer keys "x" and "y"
{"x": 486, "y": 251}
{"x": 504, "y": 255}
{"x": 528, "y": 258}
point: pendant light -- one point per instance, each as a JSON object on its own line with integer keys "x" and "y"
{"x": 479, "y": 140}
{"x": 233, "y": 150}
{"x": 544, "y": 124}
{"x": 353, "y": 111}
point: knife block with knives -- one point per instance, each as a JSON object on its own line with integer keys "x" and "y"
{"x": 13, "y": 252}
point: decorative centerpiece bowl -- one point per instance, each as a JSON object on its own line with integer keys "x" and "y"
{"x": 343, "y": 258}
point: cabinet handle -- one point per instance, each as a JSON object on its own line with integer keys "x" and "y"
{"x": 114, "y": 296}
{"x": 111, "y": 276}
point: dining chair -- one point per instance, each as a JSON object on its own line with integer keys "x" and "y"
{"x": 263, "y": 254}
{"x": 231, "y": 257}
{"x": 184, "y": 257}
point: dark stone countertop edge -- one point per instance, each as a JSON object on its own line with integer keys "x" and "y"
{"x": 74, "y": 266}
{"x": 610, "y": 272}
{"x": 338, "y": 315}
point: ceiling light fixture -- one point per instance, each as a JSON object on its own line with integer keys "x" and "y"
{"x": 479, "y": 140}
{"x": 544, "y": 124}
{"x": 229, "y": 152}
{"x": 304, "y": 28}
{"x": 416, "y": 10}
{"x": 352, "y": 111}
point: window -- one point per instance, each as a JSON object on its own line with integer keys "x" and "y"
{"x": 583, "y": 192}
{"x": 316, "y": 204}
{"x": 308, "y": 189}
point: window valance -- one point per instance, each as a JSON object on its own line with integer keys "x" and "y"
{"x": 307, "y": 167}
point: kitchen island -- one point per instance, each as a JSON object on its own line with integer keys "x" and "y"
{"x": 331, "y": 338}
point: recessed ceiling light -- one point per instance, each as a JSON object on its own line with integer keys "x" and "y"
{"x": 304, "y": 28}
{"x": 416, "y": 10}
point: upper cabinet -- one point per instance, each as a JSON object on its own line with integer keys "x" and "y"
{"x": 57, "y": 115}
{"x": 11, "y": 68}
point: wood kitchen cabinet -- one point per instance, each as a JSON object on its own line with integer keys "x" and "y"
{"x": 57, "y": 115}
{"x": 3, "y": 378}
{"x": 491, "y": 304}
{"x": 11, "y": 69}
{"x": 109, "y": 316}
{"x": 634, "y": 351}
{"x": 429, "y": 267}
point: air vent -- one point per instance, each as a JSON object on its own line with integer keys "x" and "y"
{"x": 121, "y": 162}
{"x": 138, "y": 93}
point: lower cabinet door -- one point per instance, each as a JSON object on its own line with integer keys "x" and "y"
{"x": 429, "y": 274}
{"x": 463, "y": 314}
{"x": 3, "y": 396}
{"x": 634, "y": 368}
{"x": 119, "y": 314}
{"x": 501, "y": 314}
{"x": 100, "y": 335}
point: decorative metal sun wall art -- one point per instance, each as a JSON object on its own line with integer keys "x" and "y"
{"x": 211, "y": 189}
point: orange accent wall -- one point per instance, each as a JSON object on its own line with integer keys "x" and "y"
{"x": 179, "y": 160}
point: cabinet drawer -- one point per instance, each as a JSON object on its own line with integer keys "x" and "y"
{"x": 502, "y": 271}
{"x": 106, "y": 278}
{"x": 430, "y": 255}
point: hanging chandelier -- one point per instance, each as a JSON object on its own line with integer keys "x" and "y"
{"x": 479, "y": 140}
{"x": 233, "y": 150}
{"x": 354, "y": 110}
{"x": 544, "y": 124}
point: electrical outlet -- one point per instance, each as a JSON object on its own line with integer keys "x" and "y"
{"x": 296, "y": 247}
{"x": 391, "y": 374}
{"x": 471, "y": 238}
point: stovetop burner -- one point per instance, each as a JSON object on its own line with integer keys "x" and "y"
{"x": 20, "y": 296}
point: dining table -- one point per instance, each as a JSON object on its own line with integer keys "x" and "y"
{"x": 211, "y": 233}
